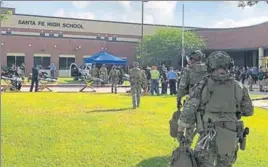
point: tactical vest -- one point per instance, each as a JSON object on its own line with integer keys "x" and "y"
{"x": 135, "y": 75}
{"x": 196, "y": 72}
{"x": 103, "y": 71}
{"x": 219, "y": 104}
{"x": 115, "y": 73}
{"x": 154, "y": 74}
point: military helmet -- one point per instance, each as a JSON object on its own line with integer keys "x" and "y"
{"x": 135, "y": 64}
{"x": 196, "y": 55}
{"x": 219, "y": 59}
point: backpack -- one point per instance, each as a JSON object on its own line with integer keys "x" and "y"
{"x": 183, "y": 157}
{"x": 173, "y": 123}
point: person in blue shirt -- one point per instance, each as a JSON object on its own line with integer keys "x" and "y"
{"x": 52, "y": 70}
{"x": 172, "y": 77}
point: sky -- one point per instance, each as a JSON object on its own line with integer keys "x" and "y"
{"x": 210, "y": 14}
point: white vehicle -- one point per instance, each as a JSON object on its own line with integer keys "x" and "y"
{"x": 82, "y": 72}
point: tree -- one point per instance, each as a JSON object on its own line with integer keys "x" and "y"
{"x": 4, "y": 13}
{"x": 166, "y": 44}
{"x": 243, "y": 4}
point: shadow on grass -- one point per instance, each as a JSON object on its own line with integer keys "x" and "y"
{"x": 110, "y": 110}
{"x": 161, "y": 161}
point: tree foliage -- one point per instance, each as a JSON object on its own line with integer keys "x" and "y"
{"x": 166, "y": 43}
{"x": 4, "y": 13}
{"x": 243, "y": 4}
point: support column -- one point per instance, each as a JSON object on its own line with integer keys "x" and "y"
{"x": 29, "y": 61}
{"x": 261, "y": 55}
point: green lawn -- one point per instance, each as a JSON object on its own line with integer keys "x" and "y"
{"x": 95, "y": 130}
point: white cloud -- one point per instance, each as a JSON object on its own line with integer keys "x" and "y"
{"x": 125, "y": 4}
{"x": 239, "y": 17}
{"x": 80, "y": 4}
{"x": 227, "y": 23}
{"x": 80, "y": 15}
{"x": 60, "y": 13}
{"x": 163, "y": 12}
{"x": 149, "y": 19}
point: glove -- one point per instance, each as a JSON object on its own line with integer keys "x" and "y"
{"x": 180, "y": 137}
{"x": 179, "y": 105}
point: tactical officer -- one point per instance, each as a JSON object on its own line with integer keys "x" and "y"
{"x": 191, "y": 75}
{"x": 103, "y": 73}
{"x": 135, "y": 79}
{"x": 35, "y": 78}
{"x": 114, "y": 78}
{"x": 214, "y": 107}
{"x": 94, "y": 71}
{"x": 143, "y": 81}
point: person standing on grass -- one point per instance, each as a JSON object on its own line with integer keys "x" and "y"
{"x": 35, "y": 78}
{"x": 135, "y": 80}
{"x": 214, "y": 108}
{"x": 52, "y": 68}
{"x": 155, "y": 75}
{"x": 172, "y": 77}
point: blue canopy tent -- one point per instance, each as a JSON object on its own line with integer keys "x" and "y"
{"x": 104, "y": 58}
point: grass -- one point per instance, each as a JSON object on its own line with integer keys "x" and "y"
{"x": 93, "y": 130}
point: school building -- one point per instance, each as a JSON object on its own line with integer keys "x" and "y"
{"x": 32, "y": 39}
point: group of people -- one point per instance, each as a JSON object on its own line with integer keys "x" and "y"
{"x": 214, "y": 105}
{"x": 152, "y": 77}
{"x": 252, "y": 76}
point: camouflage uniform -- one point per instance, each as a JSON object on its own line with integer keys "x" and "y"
{"x": 143, "y": 81}
{"x": 135, "y": 79}
{"x": 94, "y": 71}
{"x": 114, "y": 77}
{"x": 191, "y": 75}
{"x": 250, "y": 82}
{"x": 214, "y": 106}
{"x": 103, "y": 73}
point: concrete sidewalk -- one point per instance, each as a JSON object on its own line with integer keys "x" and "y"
{"x": 261, "y": 103}
{"x": 76, "y": 89}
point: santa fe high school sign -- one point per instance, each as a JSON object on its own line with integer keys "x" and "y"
{"x": 50, "y": 24}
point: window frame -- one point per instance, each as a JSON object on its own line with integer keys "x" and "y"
{"x": 15, "y": 61}
{"x": 67, "y": 65}
{"x": 42, "y": 61}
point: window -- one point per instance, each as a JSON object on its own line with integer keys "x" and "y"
{"x": 44, "y": 62}
{"x": 265, "y": 53}
{"x": 17, "y": 60}
{"x": 65, "y": 62}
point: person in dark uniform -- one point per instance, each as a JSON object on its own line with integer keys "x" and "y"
{"x": 35, "y": 80}
{"x": 164, "y": 81}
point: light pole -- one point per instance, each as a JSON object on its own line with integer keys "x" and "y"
{"x": 142, "y": 20}
{"x": 1, "y": 70}
{"x": 182, "y": 37}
